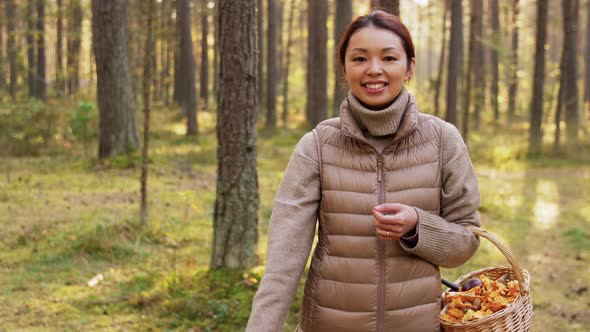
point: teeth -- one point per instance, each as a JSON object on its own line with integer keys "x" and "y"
{"x": 375, "y": 86}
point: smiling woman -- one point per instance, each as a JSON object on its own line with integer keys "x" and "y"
{"x": 393, "y": 191}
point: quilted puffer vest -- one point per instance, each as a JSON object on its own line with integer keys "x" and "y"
{"x": 356, "y": 282}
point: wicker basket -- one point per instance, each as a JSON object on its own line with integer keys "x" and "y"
{"x": 518, "y": 315}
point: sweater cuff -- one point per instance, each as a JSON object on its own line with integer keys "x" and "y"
{"x": 432, "y": 241}
{"x": 411, "y": 238}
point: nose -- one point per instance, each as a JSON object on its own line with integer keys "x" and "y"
{"x": 374, "y": 68}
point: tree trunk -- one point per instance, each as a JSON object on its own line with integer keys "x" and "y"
{"x": 186, "y": 73}
{"x": 40, "y": 85}
{"x": 513, "y": 64}
{"x": 178, "y": 87}
{"x": 391, "y": 6}
{"x": 260, "y": 43}
{"x": 11, "y": 46}
{"x": 285, "y": 114}
{"x": 587, "y": 64}
{"x": 147, "y": 79}
{"x": 271, "y": 64}
{"x": 170, "y": 36}
{"x": 2, "y": 58}
{"x": 204, "y": 77}
{"x": 74, "y": 46}
{"x": 474, "y": 16}
{"x": 496, "y": 41}
{"x": 116, "y": 103}
{"x": 216, "y": 55}
{"x": 478, "y": 63}
{"x": 535, "y": 133}
{"x": 31, "y": 67}
{"x": 343, "y": 19}
{"x": 317, "y": 67}
{"x": 455, "y": 60}
{"x": 235, "y": 220}
{"x": 59, "y": 74}
{"x": 441, "y": 62}
{"x": 572, "y": 119}
{"x": 560, "y": 102}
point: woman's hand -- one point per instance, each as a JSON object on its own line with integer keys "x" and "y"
{"x": 392, "y": 220}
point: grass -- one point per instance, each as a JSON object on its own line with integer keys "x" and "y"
{"x": 66, "y": 218}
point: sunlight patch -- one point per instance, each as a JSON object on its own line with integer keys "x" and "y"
{"x": 546, "y": 212}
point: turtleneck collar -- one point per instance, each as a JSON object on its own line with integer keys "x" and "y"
{"x": 380, "y": 122}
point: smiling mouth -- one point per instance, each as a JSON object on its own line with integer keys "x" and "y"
{"x": 374, "y": 86}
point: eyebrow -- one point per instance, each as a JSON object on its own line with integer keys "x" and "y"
{"x": 365, "y": 50}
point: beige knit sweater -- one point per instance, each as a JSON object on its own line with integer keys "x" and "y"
{"x": 294, "y": 215}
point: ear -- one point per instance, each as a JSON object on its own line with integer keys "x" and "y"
{"x": 411, "y": 69}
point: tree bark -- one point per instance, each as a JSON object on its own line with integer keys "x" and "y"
{"x": 116, "y": 103}
{"x": 317, "y": 67}
{"x": 391, "y": 6}
{"x": 513, "y": 64}
{"x": 2, "y": 58}
{"x": 40, "y": 84}
{"x": 260, "y": 43}
{"x": 572, "y": 118}
{"x": 474, "y": 17}
{"x": 478, "y": 63}
{"x": 441, "y": 62}
{"x": 74, "y": 45}
{"x": 179, "y": 89}
{"x": 204, "y": 77}
{"x": 495, "y": 22}
{"x": 186, "y": 74}
{"x": 147, "y": 79}
{"x": 59, "y": 74}
{"x": 235, "y": 221}
{"x": 285, "y": 113}
{"x": 535, "y": 133}
{"x": 587, "y": 64}
{"x": 455, "y": 59}
{"x": 31, "y": 66}
{"x": 11, "y": 46}
{"x": 271, "y": 64}
{"x": 343, "y": 19}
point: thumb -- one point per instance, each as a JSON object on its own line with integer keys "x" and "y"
{"x": 388, "y": 207}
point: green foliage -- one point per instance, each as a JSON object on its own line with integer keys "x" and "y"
{"x": 80, "y": 120}
{"x": 579, "y": 239}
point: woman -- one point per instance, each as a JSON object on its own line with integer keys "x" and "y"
{"x": 392, "y": 190}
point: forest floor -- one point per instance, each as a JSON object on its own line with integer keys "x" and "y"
{"x": 66, "y": 218}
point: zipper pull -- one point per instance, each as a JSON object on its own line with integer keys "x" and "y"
{"x": 379, "y": 170}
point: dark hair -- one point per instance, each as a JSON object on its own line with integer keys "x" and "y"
{"x": 381, "y": 20}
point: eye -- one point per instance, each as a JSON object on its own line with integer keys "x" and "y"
{"x": 389, "y": 58}
{"x": 359, "y": 59}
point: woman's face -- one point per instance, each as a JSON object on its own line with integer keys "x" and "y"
{"x": 376, "y": 66}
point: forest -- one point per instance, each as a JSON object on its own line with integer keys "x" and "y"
{"x": 142, "y": 143}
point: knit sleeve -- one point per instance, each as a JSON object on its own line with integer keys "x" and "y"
{"x": 443, "y": 239}
{"x": 292, "y": 229}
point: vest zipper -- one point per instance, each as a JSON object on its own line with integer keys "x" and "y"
{"x": 380, "y": 252}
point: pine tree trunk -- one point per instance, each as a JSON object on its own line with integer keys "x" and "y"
{"x": 317, "y": 67}
{"x": 441, "y": 62}
{"x": 455, "y": 60}
{"x": 285, "y": 113}
{"x": 235, "y": 221}
{"x": 260, "y": 43}
{"x": 271, "y": 64}
{"x": 391, "y": 6}
{"x": 343, "y": 19}
{"x": 40, "y": 84}
{"x": 560, "y": 103}
{"x": 535, "y": 133}
{"x": 147, "y": 78}
{"x": 186, "y": 74}
{"x": 478, "y": 63}
{"x": 572, "y": 118}
{"x": 473, "y": 18}
{"x": 2, "y": 58}
{"x": 179, "y": 90}
{"x": 74, "y": 45}
{"x": 170, "y": 37}
{"x": 513, "y": 64}
{"x": 587, "y": 64}
{"x": 495, "y": 22}
{"x": 11, "y": 46}
{"x": 59, "y": 74}
{"x": 204, "y": 77}
{"x": 31, "y": 67}
{"x": 116, "y": 103}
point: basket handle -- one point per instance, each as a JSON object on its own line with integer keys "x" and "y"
{"x": 511, "y": 259}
